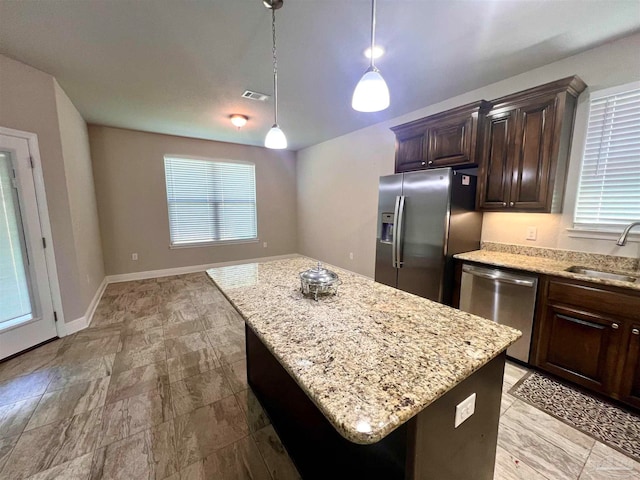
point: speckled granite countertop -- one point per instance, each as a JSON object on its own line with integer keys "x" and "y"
{"x": 550, "y": 261}
{"x": 371, "y": 357}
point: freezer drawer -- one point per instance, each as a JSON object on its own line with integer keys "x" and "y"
{"x": 503, "y": 297}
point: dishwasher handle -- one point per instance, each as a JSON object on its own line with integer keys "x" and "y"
{"x": 500, "y": 276}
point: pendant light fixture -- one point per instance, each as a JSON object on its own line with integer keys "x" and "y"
{"x": 275, "y": 137}
{"x": 371, "y": 93}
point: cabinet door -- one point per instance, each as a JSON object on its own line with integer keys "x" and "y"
{"x": 533, "y": 137}
{"x": 495, "y": 174}
{"x": 411, "y": 150}
{"x": 630, "y": 386}
{"x": 450, "y": 143}
{"x": 579, "y": 346}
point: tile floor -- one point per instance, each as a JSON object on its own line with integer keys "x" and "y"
{"x": 156, "y": 388}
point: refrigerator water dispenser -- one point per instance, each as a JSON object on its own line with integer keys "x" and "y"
{"x": 387, "y": 228}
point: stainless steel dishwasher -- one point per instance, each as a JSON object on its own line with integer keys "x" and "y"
{"x": 504, "y": 297}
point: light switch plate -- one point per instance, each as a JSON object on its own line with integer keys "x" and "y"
{"x": 465, "y": 409}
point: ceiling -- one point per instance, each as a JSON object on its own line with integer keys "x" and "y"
{"x": 180, "y": 66}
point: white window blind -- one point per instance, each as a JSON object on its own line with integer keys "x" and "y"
{"x": 210, "y": 201}
{"x": 609, "y": 190}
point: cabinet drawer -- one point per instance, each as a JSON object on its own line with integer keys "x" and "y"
{"x": 596, "y": 299}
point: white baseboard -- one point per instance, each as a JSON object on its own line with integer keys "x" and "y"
{"x": 84, "y": 321}
{"x": 127, "y": 277}
{"x": 91, "y": 309}
{"x": 75, "y": 325}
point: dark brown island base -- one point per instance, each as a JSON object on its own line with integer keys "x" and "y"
{"x": 425, "y": 447}
{"x": 366, "y": 384}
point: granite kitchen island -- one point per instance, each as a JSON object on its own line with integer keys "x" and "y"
{"x": 365, "y": 384}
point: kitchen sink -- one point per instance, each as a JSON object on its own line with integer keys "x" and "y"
{"x": 590, "y": 272}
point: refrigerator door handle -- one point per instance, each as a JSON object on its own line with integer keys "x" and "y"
{"x": 399, "y": 237}
{"x": 394, "y": 234}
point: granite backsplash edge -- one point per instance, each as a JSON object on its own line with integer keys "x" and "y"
{"x": 592, "y": 260}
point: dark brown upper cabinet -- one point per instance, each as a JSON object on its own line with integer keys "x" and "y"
{"x": 447, "y": 139}
{"x": 525, "y": 148}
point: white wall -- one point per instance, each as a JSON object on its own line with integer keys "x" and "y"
{"x": 337, "y": 179}
{"x": 28, "y": 102}
{"x": 82, "y": 196}
{"x": 132, "y": 200}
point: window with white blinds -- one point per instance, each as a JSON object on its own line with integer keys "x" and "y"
{"x": 210, "y": 201}
{"x": 609, "y": 190}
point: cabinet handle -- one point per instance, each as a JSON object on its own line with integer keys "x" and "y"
{"x": 423, "y": 164}
{"x": 615, "y": 326}
{"x": 430, "y": 162}
{"x": 511, "y": 204}
{"x": 504, "y": 204}
{"x": 635, "y": 331}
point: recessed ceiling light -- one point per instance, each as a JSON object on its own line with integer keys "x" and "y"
{"x": 239, "y": 120}
{"x": 378, "y": 51}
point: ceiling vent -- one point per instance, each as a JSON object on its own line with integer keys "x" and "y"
{"x": 261, "y": 97}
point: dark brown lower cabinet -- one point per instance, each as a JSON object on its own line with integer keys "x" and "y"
{"x": 580, "y": 347}
{"x": 630, "y": 387}
{"x": 590, "y": 335}
{"x": 427, "y": 446}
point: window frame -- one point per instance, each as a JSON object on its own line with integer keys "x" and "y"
{"x": 575, "y": 230}
{"x": 177, "y": 246}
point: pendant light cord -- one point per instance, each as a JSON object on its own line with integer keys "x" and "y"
{"x": 275, "y": 66}
{"x": 373, "y": 29}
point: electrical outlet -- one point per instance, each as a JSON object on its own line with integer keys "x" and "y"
{"x": 350, "y": 255}
{"x": 532, "y": 233}
{"x": 264, "y": 244}
{"x": 465, "y": 409}
{"x": 134, "y": 256}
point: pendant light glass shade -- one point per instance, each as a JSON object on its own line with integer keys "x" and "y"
{"x": 275, "y": 138}
{"x": 371, "y": 93}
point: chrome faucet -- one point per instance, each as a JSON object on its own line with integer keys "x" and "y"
{"x": 623, "y": 238}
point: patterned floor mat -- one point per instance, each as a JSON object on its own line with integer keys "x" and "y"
{"x": 601, "y": 420}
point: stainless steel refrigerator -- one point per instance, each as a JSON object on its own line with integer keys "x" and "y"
{"x": 424, "y": 218}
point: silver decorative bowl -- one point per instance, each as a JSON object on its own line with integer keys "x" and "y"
{"x": 319, "y": 281}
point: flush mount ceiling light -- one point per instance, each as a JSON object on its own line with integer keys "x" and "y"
{"x": 239, "y": 120}
{"x": 371, "y": 93}
{"x": 378, "y": 51}
{"x": 275, "y": 137}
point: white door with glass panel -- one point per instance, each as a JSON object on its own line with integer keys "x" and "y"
{"x": 26, "y": 309}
